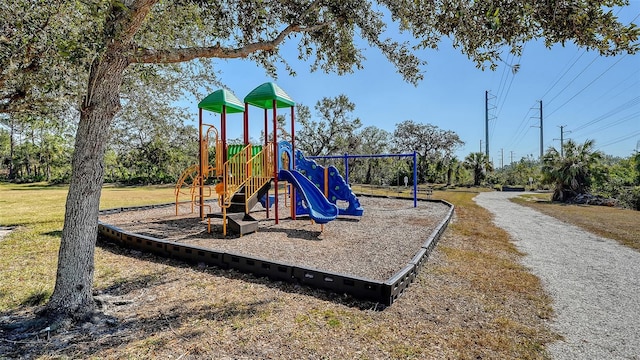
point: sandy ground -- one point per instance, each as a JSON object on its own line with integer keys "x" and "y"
{"x": 594, "y": 281}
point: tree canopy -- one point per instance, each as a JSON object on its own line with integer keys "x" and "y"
{"x": 333, "y": 133}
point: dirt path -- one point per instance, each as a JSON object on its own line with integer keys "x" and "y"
{"x": 594, "y": 281}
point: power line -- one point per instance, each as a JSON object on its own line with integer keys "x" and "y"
{"x": 589, "y": 84}
{"x": 572, "y": 80}
{"x": 522, "y": 129}
{"x": 620, "y": 139}
{"x": 612, "y": 124}
{"x": 563, "y": 74}
{"x": 633, "y": 102}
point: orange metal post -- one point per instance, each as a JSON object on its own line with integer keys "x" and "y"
{"x": 326, "y": 182}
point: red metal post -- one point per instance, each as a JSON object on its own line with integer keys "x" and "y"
{"x": 266, "y": 142}
{"x": 292, "y": 161}
{"x": 201, "y": 165}
{"x": 223, "y": 134}
{"x": 275, "y": 157}
{"x": 246, "y": 123}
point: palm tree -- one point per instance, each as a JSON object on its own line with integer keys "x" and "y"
{"x": 479, "y": 163}
{"x": 453, "y": 170}
{"x": 570, "y": 174}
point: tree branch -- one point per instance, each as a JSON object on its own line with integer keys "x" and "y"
{"x": 8, "y": 100}
{"x": 151, "y": 56}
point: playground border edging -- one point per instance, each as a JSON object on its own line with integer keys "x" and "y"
{"x": 382, "y": 292}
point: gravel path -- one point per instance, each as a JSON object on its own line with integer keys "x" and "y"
{"x": 594, "y": 282}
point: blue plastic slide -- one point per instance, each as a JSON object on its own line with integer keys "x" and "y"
{"x": 321, "y": 210}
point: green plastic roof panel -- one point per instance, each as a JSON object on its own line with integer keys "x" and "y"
{"x": 263, "y": 97}
{"x": 215, "y": 101}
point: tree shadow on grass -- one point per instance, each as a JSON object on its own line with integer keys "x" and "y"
{"x": 107, "y": 333}
{"x": 54, "y": 233}
{"x": 123, "y": 319}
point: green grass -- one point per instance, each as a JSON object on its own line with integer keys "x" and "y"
{"x": 29, "y": 252}
{"x": 471, "y": 300}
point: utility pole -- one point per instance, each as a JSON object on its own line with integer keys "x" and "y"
{"x": 511, "y": 157}
{"x": 541, "y": 133}
{"x": 562, "y": 131}
{"x": 501, "y": 158}
{"x": 562, "y": 139}
{"x": 480, "y": 145}
{"x": 486, "y": 122}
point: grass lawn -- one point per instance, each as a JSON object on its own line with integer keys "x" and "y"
{"x": 471, "y": 300}
{"x": 622, "y": 225}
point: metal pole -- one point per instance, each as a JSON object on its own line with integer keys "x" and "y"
{"x": 293, "y": 162}
{"x": 346, "y": 168}
{"x": 223, "y": 135}
{"x": 541, "y": 133}
{"x": 561, "y": 141}
{"x": 415, "y": 179}
{"x": 275, "y": 159}
{"x": 201, "y": 165}
{"x": 266, "y": 143}
{"x": 246, "y": 123}
{"x": 486, "y": 122}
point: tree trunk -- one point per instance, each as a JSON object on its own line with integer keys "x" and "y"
{"x": 12, "y": 174}
{"x": 72, "y": 296}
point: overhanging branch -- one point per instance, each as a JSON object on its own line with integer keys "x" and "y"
{"x": 151, "y": 56}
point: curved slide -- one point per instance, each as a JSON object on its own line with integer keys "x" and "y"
{"x": 321, "y": 210}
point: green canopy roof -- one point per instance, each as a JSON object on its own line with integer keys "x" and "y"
{"x": 215, "y": 101}
{"x": 263, "y": 97}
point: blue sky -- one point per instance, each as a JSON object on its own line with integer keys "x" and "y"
{"x": 593, "y": 97}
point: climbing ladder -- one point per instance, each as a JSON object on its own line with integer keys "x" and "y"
{"x": 192, "y": 179}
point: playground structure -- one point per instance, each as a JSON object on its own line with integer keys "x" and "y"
{"x": 239, "y": 176}
{"x": 243, "y": 174}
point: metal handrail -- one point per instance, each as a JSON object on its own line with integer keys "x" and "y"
{"x": 234, "y": 175}
{"x": 259, "y": 168}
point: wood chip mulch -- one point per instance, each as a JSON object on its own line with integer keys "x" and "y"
{"x": 374, "y": 246}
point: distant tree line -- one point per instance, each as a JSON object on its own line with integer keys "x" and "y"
{"x": 576, "y": 170}
{"x": 149, "y": 144}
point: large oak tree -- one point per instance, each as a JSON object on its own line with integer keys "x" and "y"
{"x": 125, "y": 33}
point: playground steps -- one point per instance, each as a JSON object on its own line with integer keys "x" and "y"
{"x": 241, "y": 223}
{"x": 239, "y": 203}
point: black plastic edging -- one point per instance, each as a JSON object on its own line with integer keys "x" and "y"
{"x": 382, "y": 292}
